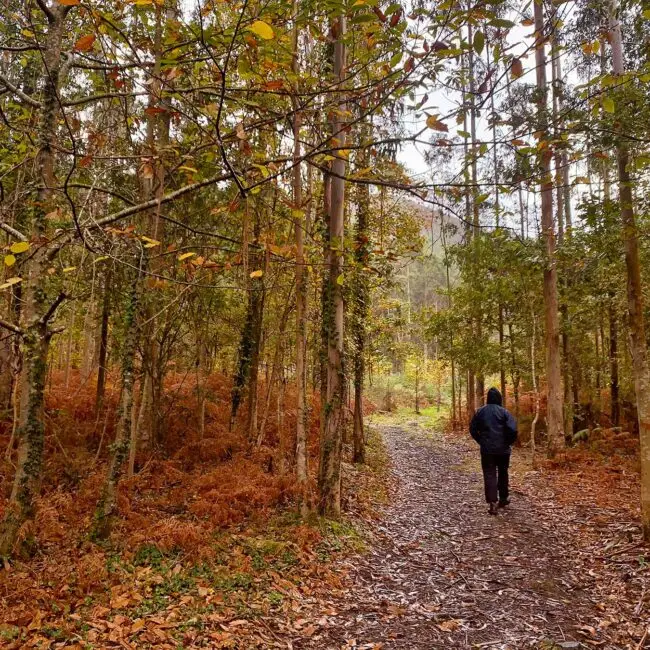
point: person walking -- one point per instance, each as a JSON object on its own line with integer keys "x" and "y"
{"x": 495, "y": 430}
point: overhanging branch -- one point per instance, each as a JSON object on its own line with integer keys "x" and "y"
{"x": 16, "y": 234}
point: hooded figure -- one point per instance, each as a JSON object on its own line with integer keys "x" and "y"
{"x": 495, "y": 430}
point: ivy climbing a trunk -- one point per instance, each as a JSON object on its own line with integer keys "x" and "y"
{"x": 329, "y": 474}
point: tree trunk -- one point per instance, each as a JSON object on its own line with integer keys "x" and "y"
{"x": 36, "y": 310}
{"x": 147, "y": 429}
{"x": 535, "y": 391}
{"x": 514, "y": 370}
{"x": 107, "y": 504}
{"x": 329, "y": 471}
{"x": 638, "y": 342}
{"x": 551, "y": 300}
{"x": 302, "y": 291}
{"x": 471, "y": 395}
{"x": 275, "y": 371}
{"x": 249, "y": 349}
{"x": 502, "y": 365}
{"x": 615, "y": 412}
{"x": 103, "y": 341}
{"x": 30, "y": 439}
{"x": 479, "y": 394}
{"x": 360, "y": 304}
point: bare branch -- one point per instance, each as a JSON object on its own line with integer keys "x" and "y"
{"x": 53, "y": 307}
{"x": 24, "y": 96}
{"x": 95, "y": 98}
{"x": 102, "y": 190}
{"x": 16, "y": 234}
{"x": 46, "y": 10}
{"x": 141, "y": 207}
{"x": 11, "y": 327}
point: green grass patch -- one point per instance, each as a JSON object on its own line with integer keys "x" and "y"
{"x": 430, "y": 417}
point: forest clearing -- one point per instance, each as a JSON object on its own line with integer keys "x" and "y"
{"x": 268, "y": 268}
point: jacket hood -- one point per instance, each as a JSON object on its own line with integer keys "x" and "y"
{"x": 494, "y": 396}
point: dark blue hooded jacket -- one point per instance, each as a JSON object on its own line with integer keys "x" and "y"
{"x": 493, "y": 427}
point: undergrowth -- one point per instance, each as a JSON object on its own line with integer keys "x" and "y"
{"x": 207, "y": 529}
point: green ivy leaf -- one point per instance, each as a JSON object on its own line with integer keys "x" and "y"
{"x": 479, "y": 42}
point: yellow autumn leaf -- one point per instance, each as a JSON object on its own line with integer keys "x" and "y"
{"x": 185, "y": 256}
{"x": 10, "y": 260}
{"x": 69, "y": 269}
{"x": 10, "y": 282}
{"x": 262, "y": 29}
{"x": 257, "y": 274}
{"x": 19, "y": 247}
{"x": 434, "y": 123}
{"x": 149, "y": 243}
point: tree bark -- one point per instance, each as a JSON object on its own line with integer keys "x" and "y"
{"x": 36, "y": 310}
{"x": 615, "y": 406}
{"x": 107, "y": 504}
{"x": 551, "y": 299}
{"x": 103, "y": 342}
{"x": 329, "y": 472}
{"x": 301, "y": 225}
{"x": 638, "y": 342}
{"x": 360, "y": 305}
{"x": 479, "y": 394}
{"x": 249, "y": 347}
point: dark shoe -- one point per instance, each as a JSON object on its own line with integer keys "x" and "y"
{"x": 504, "y": 503}
{"x": 494, "y": 508}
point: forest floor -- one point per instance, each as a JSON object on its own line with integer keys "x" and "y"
{"x": 417, "y": 564}
{"x": 554, "y": 570}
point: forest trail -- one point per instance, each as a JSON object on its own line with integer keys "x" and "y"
{"x": 441, "y": 573}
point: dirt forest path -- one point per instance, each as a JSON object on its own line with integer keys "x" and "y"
{"x": 441, "y": 573}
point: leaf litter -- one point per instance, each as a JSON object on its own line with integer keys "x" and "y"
{"x": 550, "y": 572}
{"x": 563, "y": 567}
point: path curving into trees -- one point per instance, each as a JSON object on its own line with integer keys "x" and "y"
{"x": 441, "y": 573}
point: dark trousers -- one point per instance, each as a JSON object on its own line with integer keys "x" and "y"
{"x": 495, "y": 476}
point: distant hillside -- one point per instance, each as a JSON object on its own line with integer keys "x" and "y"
{"x": 432, "y": 219}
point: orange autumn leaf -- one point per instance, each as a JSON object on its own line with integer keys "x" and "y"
{"x": 85, "y": 43}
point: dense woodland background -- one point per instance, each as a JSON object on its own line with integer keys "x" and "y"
{"x": 216, "y": 260}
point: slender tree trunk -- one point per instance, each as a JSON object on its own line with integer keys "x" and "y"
{"x": 502, "y": 365}
{"x": 470, "y": 392}
{"x": 275, "y": 372}
{"x": 560, "y": 162}
{"x": 329, "y": 476}
{"x": 249, "y": 348}
{"x": 514, "y": 371}
{"x": 551, "y": 299}
{"x": 325, "y": 323}
{"x": 479, "y": 395}
{"x": 615, "y": 412}
{"x": 103, "y": 341}
{"x": 302, "y": 292}
{"x": 256, "y": 354}
{"x": 360, "y": 304}
{"x": 90, "y": 330}
{"x": 535, "y": 390}
{"x": 36, "y": 310}
{"x": 453, "y": 393}
{"x": 443, "y": 236}
{"x": 638, "y": 343}
{"x": 107, "y": 504}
